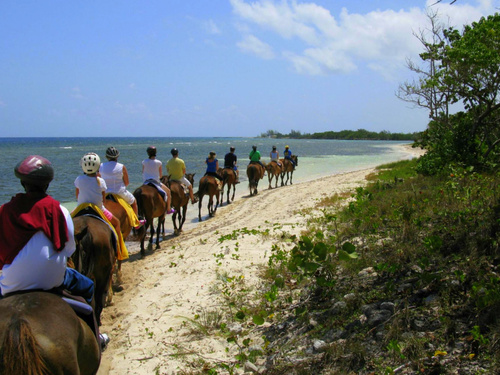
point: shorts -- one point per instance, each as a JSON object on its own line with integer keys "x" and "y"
{"x": 107, "y": 213}
{"x": 128, "y": 196}
{"x": 184, "y": 181}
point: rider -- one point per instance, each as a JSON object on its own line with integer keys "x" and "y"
{"x": 230, "y": 160}
{"x": 255, "y": 158}
{"x": 152, "y": 172}
{"x": 212, "y": 166}
{"x": 116, "y": 177}
{"x": 288, "y": 155}
{"x": 176, "y": 168}
{"x": 37, "y": 238}
{"x": 275, "y": 156}
{"x": 91, "y": 188}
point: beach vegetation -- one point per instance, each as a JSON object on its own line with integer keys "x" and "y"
{"x": 359, "y": 134}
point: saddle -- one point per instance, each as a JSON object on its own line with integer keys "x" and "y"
{"x": 184, "y": 187}
{"x": 160, "y": 190}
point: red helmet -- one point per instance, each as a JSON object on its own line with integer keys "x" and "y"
{"x": 35, "y": 170}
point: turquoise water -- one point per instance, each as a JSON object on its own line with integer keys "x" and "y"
{"x": 317, "y": 158}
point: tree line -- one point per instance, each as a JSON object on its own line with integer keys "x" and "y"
{"x": 360, "y": 134}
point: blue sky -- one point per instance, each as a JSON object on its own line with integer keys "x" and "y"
{"x": 211, "y": 67}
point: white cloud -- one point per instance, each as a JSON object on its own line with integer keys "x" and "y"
{"x": 253, "y": 45}
{"x": 76, "y": 93}
{"x": 211, "y": 27}
{"x": 318, "y": 43}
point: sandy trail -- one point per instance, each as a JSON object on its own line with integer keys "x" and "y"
{"x": 169, "y": 285}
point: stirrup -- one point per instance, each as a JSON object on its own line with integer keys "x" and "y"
{"x": 103, "y": 341}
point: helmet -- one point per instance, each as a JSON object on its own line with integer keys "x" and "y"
{"x": 274, "y": 147}
{"x": 112, "y": 153}
{"x": 174, "y": 151}
{"x": 254, "y": 147}
{"x": 231, "y": 148}
{"x": 34, "y": 170}
{"x": 286, "y": 146}
{"x": 151, "y": 151}
{"x": 212, "y": 153}
{"x": 90, "y": 163}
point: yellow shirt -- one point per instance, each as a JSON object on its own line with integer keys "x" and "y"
{"x": 176, "y": 168}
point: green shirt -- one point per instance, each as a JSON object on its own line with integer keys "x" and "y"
{"x": 176, "y": 168}
{"x": 254, "y": 155}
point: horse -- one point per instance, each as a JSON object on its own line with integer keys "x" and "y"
{"x": 125, "y": 226}
{"x": 273, "y": 171}
{"x": 180, "y": 200}
{"x": 95, "y": 256}
{"x": 150, "y": 205}
{"x": 229, "y": 180}
{"x": 254, "y": 173}
{"x": 41, "y": 334}
{"x": 208, "y": 186}
{"x": 288, "y": 169}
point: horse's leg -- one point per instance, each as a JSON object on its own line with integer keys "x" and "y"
{"x": 291, "y": 177}
{"x": 183, "y": 219}
{"x": 161, "y": 221}
{"x": 234, "y": 192}
{"x": 151, "y": 236}
{"x": 199, "y": 207}
{"x": 210, "y": 206}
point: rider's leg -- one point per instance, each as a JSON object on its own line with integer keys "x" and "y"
{"x": 169, "y": 197}
{"x": 134, "y": 207}
{"x": 191, "y": 195}
{"x": 78, "y": 284}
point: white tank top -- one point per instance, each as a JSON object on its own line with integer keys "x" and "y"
{"x": 112, "y": 172}
{"x": 151, "y": 170}
{"x": 274, "y": 156}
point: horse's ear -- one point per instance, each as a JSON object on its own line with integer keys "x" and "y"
{"x": 194, "y": 174}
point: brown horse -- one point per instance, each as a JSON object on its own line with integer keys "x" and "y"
{"x": 41, "y": 334}
{"x": 180, "y": 200}
{"x": 150, "y": 205}
{"x": 208, "y": 186}
{"x": 288, "y": 169}
{"x": 255, "y": 172}
{"x": 95, "y": 256}
{"x": 273, "y": 171}
{"x": 125, "y": 226}
{"x": 229, "y": 180}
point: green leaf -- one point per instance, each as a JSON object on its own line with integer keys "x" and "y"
{"x": 346, "y": 256}
{"x": 257, "y": 319}
{"x": 348, "y": 247}
{"x": 321, "y": 251}
{"x": 311, "y": 267}
{"x": 240, "y": 315}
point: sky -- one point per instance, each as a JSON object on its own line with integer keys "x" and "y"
{"x": 202, "y": 68}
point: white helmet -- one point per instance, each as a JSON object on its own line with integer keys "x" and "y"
{"x": 90, "y": 163}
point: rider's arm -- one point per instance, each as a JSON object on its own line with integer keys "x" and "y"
{"x": 77, "y": 191}
{"x": 216, "y": 166}
{"x": 125, "y": 176}
{"x": 160, "y": 172}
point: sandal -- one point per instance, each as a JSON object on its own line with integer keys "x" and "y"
{"x": 172, "y": 210}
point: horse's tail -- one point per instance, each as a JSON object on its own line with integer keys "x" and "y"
{"x": 82, "y": 257}
{"x": 203, "y": 189}
{"x": 21, "y": 354}
{"x": 138, "y": 199}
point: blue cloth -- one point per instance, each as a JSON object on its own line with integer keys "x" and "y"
{"x": 78, "y": 284}
{"x": 211, "y": 165}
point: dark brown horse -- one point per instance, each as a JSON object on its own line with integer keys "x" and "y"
{"x": 95, "y": 256}
{"x": 41, "y": 334}
{"x": 180, "y": 200}
{"x": 254, "y": 173}
{"x": 150, "y": 205}
{"x": 273, "y": 171}
{"x": 288, "y": 169}
{"x": 229, "y": 180}
{"x": 208, "y": 186}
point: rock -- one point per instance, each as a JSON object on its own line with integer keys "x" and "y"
{"x": 378, "y": 317}
{"x": 235, "y": 328}
{"x": 319, "y": 346}
{"x": 389, "y": 306}
{"x": 250, "y": 367}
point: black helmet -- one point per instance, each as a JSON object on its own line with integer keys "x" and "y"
{"x": 231, "y": 148}
{"x": 274, "y": 147}
{"x": 174, "y": 151}
{"x": 254, "y": 147}
{"x": 112, "y": 153}
{"x": 35, "y": 170}
{"x": 151, "y": 151}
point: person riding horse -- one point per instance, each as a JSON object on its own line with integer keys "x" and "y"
{"x": 37, "y": 238}
{"x": 274, "y": 155}
{"x": 116, "y": 177}
{"x": 255, "y": 158}
{"x": 288, "y": 156}
{"x": 230, "y": 161}
{"x": 176, "y": 168}
{"x": 152, "y": 173}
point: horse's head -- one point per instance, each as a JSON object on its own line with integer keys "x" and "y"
{"x": 295, "y": 158}
{"x": 190, "y": 177}
{"x": 165, "y": 180}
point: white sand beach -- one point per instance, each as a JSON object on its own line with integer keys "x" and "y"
{"x": 172, "y": 284}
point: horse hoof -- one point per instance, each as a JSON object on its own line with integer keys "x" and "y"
{"x": 117, "y": 288}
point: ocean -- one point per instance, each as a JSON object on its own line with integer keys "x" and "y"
{"x": 317, "y": 158}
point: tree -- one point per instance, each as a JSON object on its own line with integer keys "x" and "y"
{"x": 463, "y": 68}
